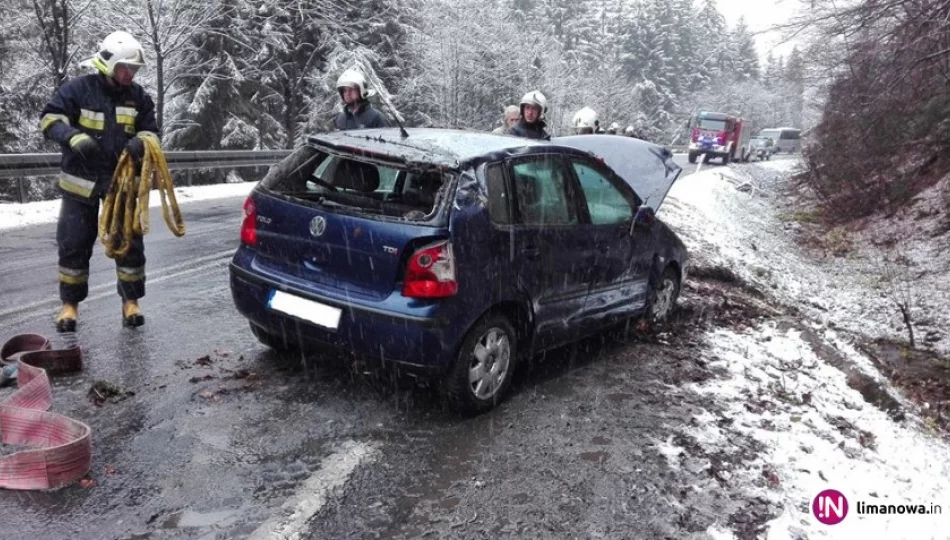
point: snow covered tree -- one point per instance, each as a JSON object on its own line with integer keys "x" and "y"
{"x": 215, "y": 109}
{"x": 711, "y": 55}
{"x": 772, "y": 73}
{"x": 745, "y": 64}
{"x": 166, "y": 29}
{"x": 57, "y": 25}
{"x": 794, "y": 79}
{"x": 381, "y": 26}
{"x": 651, "y": 60}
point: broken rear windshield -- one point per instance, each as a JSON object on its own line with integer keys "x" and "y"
{"x": 351, "y": 185}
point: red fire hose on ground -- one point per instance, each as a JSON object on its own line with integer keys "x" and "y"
{"x": 59, "y": 448}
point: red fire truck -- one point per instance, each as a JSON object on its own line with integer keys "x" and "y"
{"x": 719, "y": 135}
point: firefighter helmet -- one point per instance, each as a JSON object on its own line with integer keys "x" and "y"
{"x": 352, "y": 78}
{"x": 118, "y": 48}
{"x": 585, "y": 118}
{"x": 534, "y": 98}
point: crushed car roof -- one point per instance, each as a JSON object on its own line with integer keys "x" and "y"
{"x": 449, "y": 147}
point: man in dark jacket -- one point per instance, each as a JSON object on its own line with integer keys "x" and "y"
{"x": 357, "y": 113}
{"x": 533, "y": 107}
{"x": 95, "y": 118}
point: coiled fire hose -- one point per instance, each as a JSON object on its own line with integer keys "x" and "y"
{"x": 125, "y": 211}
{"x": 59, "y": 449}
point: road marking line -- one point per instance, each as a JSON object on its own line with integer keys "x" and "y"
{"x": 23, "y": 317}
{"x": 313, "y": 495}
{"x": 107, "y": 289}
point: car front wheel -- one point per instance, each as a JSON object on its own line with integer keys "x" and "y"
{"x": 483, "y": 369}
{"x": 665, "y": 295}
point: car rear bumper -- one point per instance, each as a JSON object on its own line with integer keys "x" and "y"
{"x": 420, "y": 344}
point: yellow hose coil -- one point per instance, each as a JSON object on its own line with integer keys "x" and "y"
{"x": 125, "y": 211}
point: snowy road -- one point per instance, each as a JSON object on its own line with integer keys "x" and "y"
{"x": 703, "y": 430}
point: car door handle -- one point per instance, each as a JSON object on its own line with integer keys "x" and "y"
{"x": 531, "y": 252}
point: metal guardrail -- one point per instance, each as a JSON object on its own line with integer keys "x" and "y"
{"x": 21, "y": 165}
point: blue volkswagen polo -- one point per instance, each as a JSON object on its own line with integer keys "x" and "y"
{"x": 456, "y": 253}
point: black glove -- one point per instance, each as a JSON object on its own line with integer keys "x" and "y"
{"x": 136, "y": 149}
{"x": 85, "y": 146}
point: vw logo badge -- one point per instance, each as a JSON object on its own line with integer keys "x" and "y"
{"x": 318, "y": 225}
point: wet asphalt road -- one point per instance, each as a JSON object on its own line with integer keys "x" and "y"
{"x": 223, "y": 435}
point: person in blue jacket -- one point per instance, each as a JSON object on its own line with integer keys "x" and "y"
{"x": 95, "y": 118}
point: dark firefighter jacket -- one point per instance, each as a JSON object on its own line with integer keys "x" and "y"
{"x": 531, "y": 131}
{"x": 111, "y": 115}
{"x": 365, "y": 117}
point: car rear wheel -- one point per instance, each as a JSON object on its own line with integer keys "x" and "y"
{"x": 270, "y": 340}
{"x": 665, "y": 295}
{"x": 483, "y": 369}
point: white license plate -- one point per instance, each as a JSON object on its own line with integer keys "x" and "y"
{"x": 308, "y": 310}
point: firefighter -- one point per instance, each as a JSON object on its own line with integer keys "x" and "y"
{"x": 585, "y": 121}
{"x": 358, "y": 112}
{"x": 95, "y": 118}
{"x": 512, "y": 115}
{"x": 533, "y": 108}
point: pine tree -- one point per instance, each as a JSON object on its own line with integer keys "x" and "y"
{"x": 650, "y": 63}
{"x": 794, "y": 78}
{"x": 746, "y": 59}
{"x": 216, "y": 110}
{"x": 381, "y": 26}
{"x": 711, "y": 42}
{"x": 770, "y": 75}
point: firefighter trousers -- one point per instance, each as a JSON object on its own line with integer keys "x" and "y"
{"x": 76, "y": 235}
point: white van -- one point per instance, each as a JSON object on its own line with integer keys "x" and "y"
{"x": 786, "y": 139}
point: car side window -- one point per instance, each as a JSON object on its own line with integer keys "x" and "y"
{"x": 541, "y": 190}
{"x": 499, "y": 207}
{"x": 605, "y": 203}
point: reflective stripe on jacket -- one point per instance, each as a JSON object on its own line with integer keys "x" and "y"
{"x": 111, "y": 115}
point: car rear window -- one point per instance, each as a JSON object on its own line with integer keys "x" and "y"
{"x": 351, "y": 185}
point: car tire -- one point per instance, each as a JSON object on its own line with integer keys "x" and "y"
{"x": 665, "y": 296}
{"x": 476, "y": 384}
{"x": 692, "y": 157}
{"x": 270, "y": 340}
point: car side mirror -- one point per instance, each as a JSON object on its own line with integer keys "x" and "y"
{"x": 644, "y": 219}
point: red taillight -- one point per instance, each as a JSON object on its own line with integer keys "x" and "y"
{"x": 430, "y": 272}
{"x": 249, "y": 225}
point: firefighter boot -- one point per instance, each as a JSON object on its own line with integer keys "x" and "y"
{"x": 131, "y": 314}
{"x": 66, "y": 320}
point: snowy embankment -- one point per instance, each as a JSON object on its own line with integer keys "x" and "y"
{"x": 21, "y": 215}
{"x": 790, "y": 385}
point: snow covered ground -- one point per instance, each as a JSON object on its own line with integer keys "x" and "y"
{"x": 780, "y": 389}
{"x": 21, "y": 215}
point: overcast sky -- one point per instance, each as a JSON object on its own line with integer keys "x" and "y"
{"x": 761, "y": 15}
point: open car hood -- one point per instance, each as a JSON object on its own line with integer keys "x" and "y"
{"x": 648, "y": 168}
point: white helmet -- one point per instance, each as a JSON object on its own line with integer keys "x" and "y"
{"x": 534, "y": 98}
{"x": 614, "y": 127}
{"x": 352, "y": 77}
{"x": 584, "y": 118}
{"x": 629, "y": 130}
{"x": 118, "y": 48}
